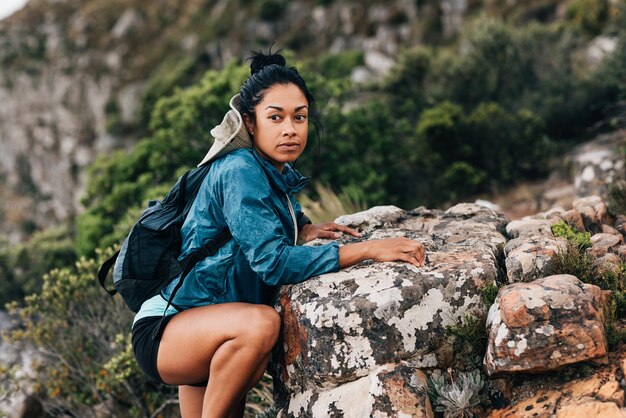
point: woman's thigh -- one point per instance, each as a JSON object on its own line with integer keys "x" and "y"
{"x": 191, "y": 337}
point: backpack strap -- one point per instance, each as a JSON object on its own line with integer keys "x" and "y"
{"x": 104, "y": 271}
{"x": 189, "y": 262}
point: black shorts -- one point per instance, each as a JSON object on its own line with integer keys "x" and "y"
{"x": 146, "y": 339}
{"x": 147, "y": 334}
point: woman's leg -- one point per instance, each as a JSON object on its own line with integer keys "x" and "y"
{"x": 228, "y": 344}
{"x": 192, "y": 397}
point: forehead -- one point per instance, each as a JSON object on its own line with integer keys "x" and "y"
{"x": 287, "y": 96}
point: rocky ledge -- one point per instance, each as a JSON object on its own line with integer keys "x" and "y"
{"x": 363, "y": 341}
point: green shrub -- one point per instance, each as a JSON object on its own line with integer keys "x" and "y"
{"x": 469, "y": 338}
{"x": 580, "y": 239}
{"x": 489, "y": 293}
{"x": 589, "y": 15}
{"x": 77, "y": 325}
{"x": 334, "y": 66}
{"x": 23, "y": 266}
{"x": 180, "y": 127}
{"x": 616, "y": 197}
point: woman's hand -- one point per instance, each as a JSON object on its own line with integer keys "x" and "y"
{"x": 390, "y": 249}
{"x": 398, "y": 249}
{"x": 329, "y": 230}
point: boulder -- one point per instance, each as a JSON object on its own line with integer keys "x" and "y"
{"x": 532, "y": 257}
{"x": 593, "y": 211}
{"x": 604, "y": 243}
{"x": 375, "y": 315}
{"x": 546, "y": 324}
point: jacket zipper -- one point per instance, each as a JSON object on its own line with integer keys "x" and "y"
{"x": 295, "y": 223}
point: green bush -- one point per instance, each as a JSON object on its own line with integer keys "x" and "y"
{"x": 180, "y": 127}
{"x": 581, "y": 239}
{"x": 23, "y": 266}
{"x": 77, "y": 325}
{"x": 589, "y": 15}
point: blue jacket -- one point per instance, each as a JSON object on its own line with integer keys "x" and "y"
{"x": 248, "y": 195}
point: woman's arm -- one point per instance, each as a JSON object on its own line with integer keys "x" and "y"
{"x": 390, "y": 249}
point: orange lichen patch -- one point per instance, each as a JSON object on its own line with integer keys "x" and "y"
{"x": 403, "y": 400}
{"x": 513, "y": 310}
{"x": 291, "y": 331}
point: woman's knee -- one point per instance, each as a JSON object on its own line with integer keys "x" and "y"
{"x": 263, "y": 327}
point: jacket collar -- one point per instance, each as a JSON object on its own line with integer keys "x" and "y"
{"x": 289, "y": 181}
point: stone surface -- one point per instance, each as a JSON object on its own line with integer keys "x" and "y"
{"x": 604, "y": 243}
{"x": 389, "y": 391}
{"x": 527, "y": 228}
{"x": 543, "y": 325}
{"x": 573, "y": 218}
{"x": 533, "y": 257}
{"x": 593, "y": 211}
{"x": 597, "y": 164}
{"x": 599, "y": 395}
{"x": 375, "y": 314}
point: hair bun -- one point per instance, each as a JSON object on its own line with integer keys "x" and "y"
{"x": 259, "y": 60}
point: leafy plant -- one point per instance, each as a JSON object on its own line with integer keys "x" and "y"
{"x": 581, "y": 239}
{"x": 469, "y": 338}
{"x": 457, "y": 396}
{"x": 76, "y": 326}
{"x": 489, "y": 293}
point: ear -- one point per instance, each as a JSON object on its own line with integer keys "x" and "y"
{"x": 247, "y": 120}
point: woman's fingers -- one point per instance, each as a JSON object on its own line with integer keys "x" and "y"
{"x": 331, "y": 226}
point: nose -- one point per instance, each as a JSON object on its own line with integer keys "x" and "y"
{"x": 289, "y": 129}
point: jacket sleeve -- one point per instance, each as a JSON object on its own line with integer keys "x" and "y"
{"x": 249, "y": 211}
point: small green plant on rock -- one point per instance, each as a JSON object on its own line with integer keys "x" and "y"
{"x": 456, "y": 397}
{"x": 562, "y": 229}
{"x": 469, "y": 338}
{"x": 489, "y": 294}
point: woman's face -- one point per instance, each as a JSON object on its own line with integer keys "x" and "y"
{"x": 281, "y": 128}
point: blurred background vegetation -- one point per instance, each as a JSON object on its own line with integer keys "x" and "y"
{"x": 455, "y": 118}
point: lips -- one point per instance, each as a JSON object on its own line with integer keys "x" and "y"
{"x": 289, "y": 145}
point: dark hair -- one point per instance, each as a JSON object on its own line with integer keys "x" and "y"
{"x": 267, "y": 71}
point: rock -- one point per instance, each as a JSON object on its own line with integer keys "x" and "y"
{"x": 530, "y": 227}
{"x": 375, "y": 217}
{"x": 390, "y": 391}
{"x": 595, "y": 396}
{"x": 597, "y": 164}
{"x": 607, "y": 262}
{"x": 593, "y": 211}
{"x": 29, "y": 407}
{"x": 385, "y": 314}
{"x": 591, "y": 408}
{"x": 130, "y": 21}
{"x": 599, "y": 48}
{"x": 573, "y": 218}
{"x": 605, "y": 229}
{"x": 603, "y": 243}
{"x": 378, "y": 63}
{"x": 620, "y": 224}
{"x": 543, "y": 325}
{"x": 531, "y": 258}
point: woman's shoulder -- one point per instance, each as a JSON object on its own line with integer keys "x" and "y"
{"x": 239, "y": 159}
{"x": 238, "y": 164}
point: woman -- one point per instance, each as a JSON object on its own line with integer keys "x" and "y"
{"x": 216, "y": 343}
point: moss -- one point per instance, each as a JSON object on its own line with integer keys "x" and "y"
{"x": 489, "y": 294}
{"x": 581, "y": 239}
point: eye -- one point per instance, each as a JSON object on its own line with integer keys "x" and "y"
{"x": 301, "y": 117}
{"x": 274, "y": 117}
